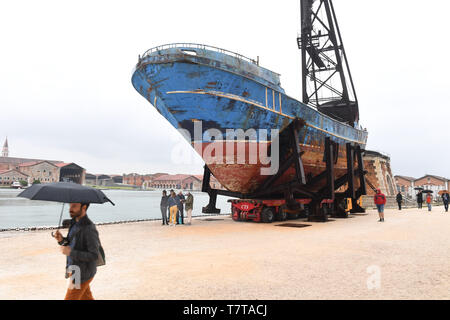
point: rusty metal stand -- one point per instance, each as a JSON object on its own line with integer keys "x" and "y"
{"x": 349, "y": 178}
{"x": 300, "y": 187}
{"x": 211, "y": 207}
{"x": 356, "y": 208}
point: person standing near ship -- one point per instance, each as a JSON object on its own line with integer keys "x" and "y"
{"x": 380, "y": 201}
{"x": 189, "y": 206}
{"x": 164, "y": 204}
{"x": 180, "y": 208}
{"x": 173, "y": 207}
{"x": 429, "y": 199}
{"x": 419, "y": 199}
{"x": 446, "y": 200}
{"x": 399, "y": 200}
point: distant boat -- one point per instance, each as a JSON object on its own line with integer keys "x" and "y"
{"x": 16, "y": 185}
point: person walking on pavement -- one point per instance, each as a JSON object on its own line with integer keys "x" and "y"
{"x": 419, "y": 199}
{"x": 380, "y": 201}
{"x": 173, "y": 207}
{"x": 81, "y": 247}
{"x": 189, "y": 206}
{"x": 180, "y": 208}
{"x": 429, "y": 199}
{"x": 399, "y": 200}
{"x": 446, "y": 200}
{"x": 164, "y": 204}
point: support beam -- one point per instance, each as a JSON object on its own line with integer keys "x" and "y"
{"x": 350, "y": 171}
{"x": 361, "y": 171}
{"x": 299, "y": 170}
{"x": 211, "y": 207}
{"x": 329, "y": 160}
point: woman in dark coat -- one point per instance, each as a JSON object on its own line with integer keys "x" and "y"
{"x": 399, "y": 200}
{"x": 446, "y": 199}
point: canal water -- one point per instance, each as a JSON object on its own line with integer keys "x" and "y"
{"x": 130, "y": 205}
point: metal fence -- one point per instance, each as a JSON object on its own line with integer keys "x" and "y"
{"x": 198, "y": 46}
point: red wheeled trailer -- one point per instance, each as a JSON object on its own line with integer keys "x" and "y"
{"x": 268, "y": 211}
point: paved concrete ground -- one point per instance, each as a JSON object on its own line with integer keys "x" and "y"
{"x": 408, "y": 256}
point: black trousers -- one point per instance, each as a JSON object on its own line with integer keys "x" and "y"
{"x": 419, "y": 204}
{"x": 180, "y": 215}
{"x": 164, "y": 215}
{"x": 446, "y": 206}
{"x": 399, "y": 205}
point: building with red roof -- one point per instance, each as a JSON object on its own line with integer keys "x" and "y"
{"x": 44, "y": 171}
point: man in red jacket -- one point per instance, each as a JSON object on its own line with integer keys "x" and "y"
{"x": 380, "y": 201}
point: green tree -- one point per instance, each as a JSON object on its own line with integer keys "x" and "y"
{"x": 36, "y": 182}
{"x": 23, "y": 183}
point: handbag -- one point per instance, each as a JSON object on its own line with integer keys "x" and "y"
{"x": 101, "y": 253}
{"x": 101, "y": 256}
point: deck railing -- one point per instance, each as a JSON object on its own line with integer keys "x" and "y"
{"x": 198, "y": 46}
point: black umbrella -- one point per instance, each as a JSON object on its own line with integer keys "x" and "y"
{"x": 64, "y": 192}
{"x": 418, "y": 188}
{"x": 428, "y": 191}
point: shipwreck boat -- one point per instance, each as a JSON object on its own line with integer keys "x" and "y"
{"x": 200, "y": 87}
{"x": 187, "y": 83}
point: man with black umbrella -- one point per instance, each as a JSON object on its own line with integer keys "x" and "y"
{"x": 82, "y": 250}
{"x": 420, "y": 199}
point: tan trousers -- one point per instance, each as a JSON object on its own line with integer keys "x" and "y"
{"x": 189, "y": 216}
{"x": 173, "y": 214}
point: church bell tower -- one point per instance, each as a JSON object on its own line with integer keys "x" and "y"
{"x": 5, "y": 152}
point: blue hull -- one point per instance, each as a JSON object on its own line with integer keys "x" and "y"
{"x": 185, "y": 89}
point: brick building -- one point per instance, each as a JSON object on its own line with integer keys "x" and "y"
{"x": 428, "y": 182}
{"x": 143, "y": 181}
{"x": 45, "y": 171}
{"x": 7, "y": 177}
{"x": 177, "y": 181}
{"x": 379, "y": 173}
{"x": 431, "y": 182}
{"x": 405, "y": 185}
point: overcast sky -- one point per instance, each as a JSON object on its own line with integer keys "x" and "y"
{"x": 65, "y": 75}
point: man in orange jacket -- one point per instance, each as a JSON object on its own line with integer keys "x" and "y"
{"x": 429, "y": 200}
{"x": 380, "y": 201}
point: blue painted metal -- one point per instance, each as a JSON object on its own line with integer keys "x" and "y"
{"x": 225, "y": 90}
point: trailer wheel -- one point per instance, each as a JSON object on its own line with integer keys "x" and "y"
{"x": 281, "y": 215}
{"x": 267, "y": 215}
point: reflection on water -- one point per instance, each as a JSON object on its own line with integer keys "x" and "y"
{"x": 130, "y": 205}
